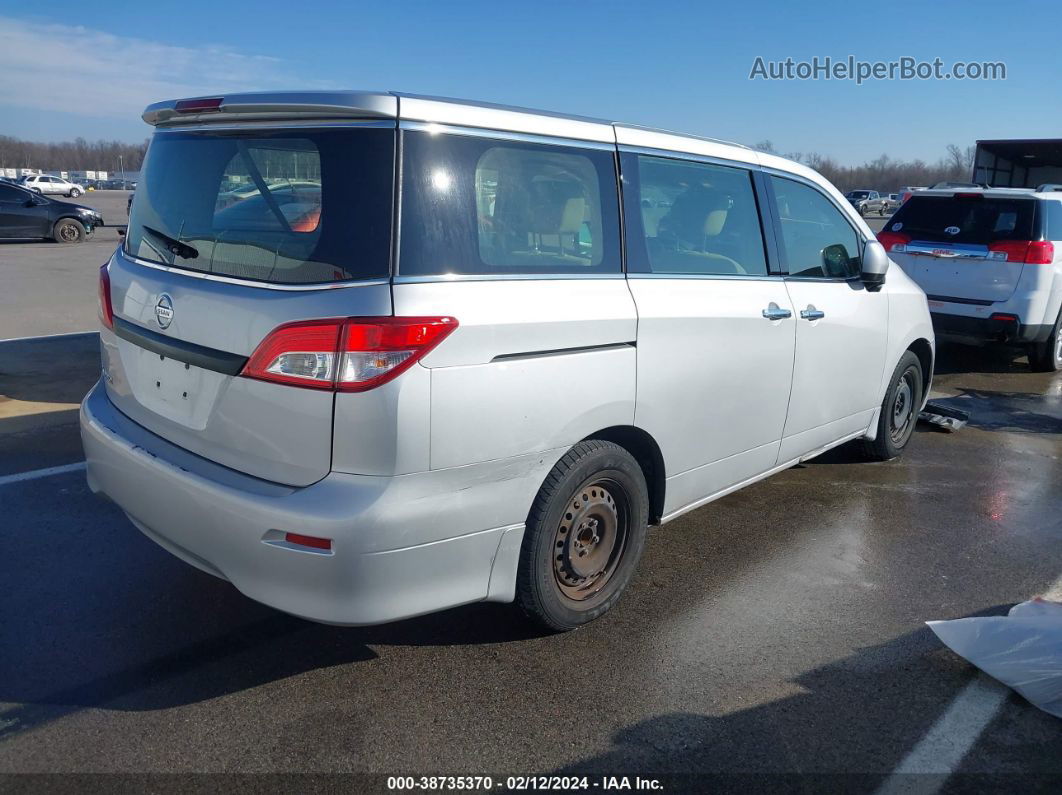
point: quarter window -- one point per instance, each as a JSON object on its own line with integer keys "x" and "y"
{"x": 819, "y": 242}
{"x": 483, "y": 206}
{"x": 687, "y": 217}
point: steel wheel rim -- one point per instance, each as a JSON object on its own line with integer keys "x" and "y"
{"x": 590, "y": 539}
{"x": 68, "y": 232}
{"x": 902, "y": 408}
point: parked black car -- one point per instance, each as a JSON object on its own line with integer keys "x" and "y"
{"x": 25, "y": 215}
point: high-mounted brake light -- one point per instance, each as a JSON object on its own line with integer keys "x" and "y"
{"x": 345, "y": 354}
{"x": 1031, "y": 252}
{"x": 208, "y": 105}
{"x": 893, "y": 241}
{"x": 106, "y": 309}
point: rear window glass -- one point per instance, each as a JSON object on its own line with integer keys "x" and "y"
{"x": 484, "y": 206}
{"x": 286, "y": 207}
{"x": 954, "y": 219}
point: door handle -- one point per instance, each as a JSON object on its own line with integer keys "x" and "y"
{"x": 775, "y": 312}
{"x": 811, "y": 313}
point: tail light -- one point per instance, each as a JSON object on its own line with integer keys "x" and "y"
{"x": 345, "y": 354}
{"x": 906, "y": 195}
{"x": 1031, "y": 252}
{"x": 893, "y": 241}
{"x": 106, "y": 309}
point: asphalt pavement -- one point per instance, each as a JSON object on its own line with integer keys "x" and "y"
{"x": 775, "y": 636}
{"x": 49, "y": 287}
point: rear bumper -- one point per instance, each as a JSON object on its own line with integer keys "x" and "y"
{"x": 998, "y": 327}
{"x": 401, "y": 546}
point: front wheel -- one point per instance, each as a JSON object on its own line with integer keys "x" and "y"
{"x": 75, "y": 193}
{"x": 1046, "y": 356}
{"x": 67, "y": 230}
{"x": 899, "y": 410}
{"x": 584, "y": 536}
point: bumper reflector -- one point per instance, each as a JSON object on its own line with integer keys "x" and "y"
{"x": 308, "y": 541}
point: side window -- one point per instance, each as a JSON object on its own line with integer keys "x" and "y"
{"x": 475, "y": 205}
{"x": 819, "y": 241}
{"x": 687, "y": 217}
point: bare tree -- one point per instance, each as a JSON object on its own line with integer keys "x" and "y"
{"x": 884, "y": 174}
{"x": 76, "y": 155}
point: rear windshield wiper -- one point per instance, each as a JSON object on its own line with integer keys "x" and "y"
{"x": 173, "y": 245}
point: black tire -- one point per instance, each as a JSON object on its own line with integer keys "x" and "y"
{"x": 592, "y": 509}
{"x": 899, "y": 410}
{"x": 1046, "y": 356}
{"x": 37, "y": 190}
{"x": 68, "y": 230}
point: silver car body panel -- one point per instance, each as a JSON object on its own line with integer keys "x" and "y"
{"x": 264, "y": 429}
{"x": 424, "y": 483}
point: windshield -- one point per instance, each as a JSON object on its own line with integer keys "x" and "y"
{"x": 959, "y": 219}
{"x": 857, "y": 194}
{"x": 285, "y": 206}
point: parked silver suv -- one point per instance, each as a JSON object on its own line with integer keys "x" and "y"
{"x": 44, "y": 183}
{"x": 442, "y": 353}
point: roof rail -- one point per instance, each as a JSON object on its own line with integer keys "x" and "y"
{"x": 682, "y": 135}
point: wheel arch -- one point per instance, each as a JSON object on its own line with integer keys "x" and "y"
{"x": 924, "y": 351}
{"x": 647, "y": 453}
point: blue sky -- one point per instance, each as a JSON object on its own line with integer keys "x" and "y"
{"x": 677, "y": 65}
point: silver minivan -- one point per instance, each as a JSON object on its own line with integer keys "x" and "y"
{"x": 371, "y": 355}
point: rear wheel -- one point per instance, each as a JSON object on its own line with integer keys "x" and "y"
{"x": 585, "y": 533}
{"x": 899, "y": 410}
{"x": 67, "y": 230}
{"x": 1046, "y": 356}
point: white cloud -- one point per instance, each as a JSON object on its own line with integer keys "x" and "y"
{"x": 84, "y": 71}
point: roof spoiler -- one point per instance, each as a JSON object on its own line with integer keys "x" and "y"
{"x": 274, "y": 105}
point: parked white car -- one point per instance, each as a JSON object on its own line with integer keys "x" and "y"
{"x": 478, "y": 373}
{"x": 990, "y": 261}
{"x": 44, "y": 183}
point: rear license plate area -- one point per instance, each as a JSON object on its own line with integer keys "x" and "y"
{"x": 168, "y": 386}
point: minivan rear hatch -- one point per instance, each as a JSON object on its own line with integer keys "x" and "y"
{"x": 967, "y": 247}
{"x": 234, "y": 232}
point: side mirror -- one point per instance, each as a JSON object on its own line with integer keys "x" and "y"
{"x": 835, "y": 261}
{"x": 875, "y": 264}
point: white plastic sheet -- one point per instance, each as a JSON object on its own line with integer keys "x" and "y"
{"x": 1022, "y": 649}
